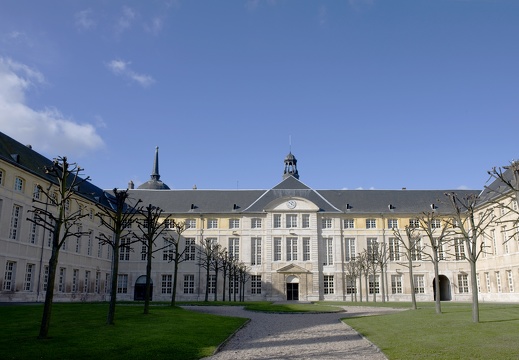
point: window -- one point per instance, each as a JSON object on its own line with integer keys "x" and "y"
{"x": 127, "y": 225}
{"x": 122, "y": 283}
{"x": 277, "y": 249}
{"x": 328, "y": 284}
{"x": 349, "y": 224}
{"x": 35, "y": 229}
{"x": 394, "y": 249}
{"x": 305, "y": 221}
{"x": 86, "y": 285}
{"x": 75, "y": 279}
{"x": 372, "y": 249}
{"x": 18, "y": 184}
{"x": 436, "y": 224}
{"x": 276, "y": 221}
{"x": 99, "y": 249}
{"x": 234, "y": 286}
{"x": 392, "y": 223}
{"x": 306, "y": 249}
{"x": 234, "y": 223}
{"x": 510, "y": 280}
{"x": 441, "y": 251}
{"x": 15, "y": 222}
{"x": 107, "y": 283}
{"x": 29, "y": 271}
{"x": 419, "y": 284}
{"x": 479, "y": 282}
{"x": 256, "y": 251}
{"x": 190, "y": 250}
{"x": 45, "y": 277}
{"x": 505, "y": 240}
{"x": 255, "y": 284}
{"x": 78, "y": 244}
{"x": 459, "y": 249}
{"x": 463, "y": 283}
{"x": 396, "y": 284}
{"x": 190, "y": 223}
{"x": 494, "y": 242}
{"x": 91, "y": 214}
{"x": 371, "y": 223}
{"x": 9, "y": 276}
{"x": 109, "y": 249}
{"x": 351, "y": 287}
{"x": 487, "y": 280}
{"x": 414, "y": 223}
{"x": 234, "y": 248}
{"x": 291, "y": 220}
{"x": 124, "y": 250}
{"x": 326, "y": 223}
{"x": 255, "y": 223}
{"x": 328, "y": 244}
{"x": 97, "y": 282}
{"x": 498, "y": 281}
{"x": 168, "y": 252}
{"x": 61, "y": 279}
{"x": 374, "y": 284}
{"x": 416, "y": 250}
{"x": 291, "y": 249}
{"x": 189, "y": 284}
{"x": 36, "y": 193}
{"x": 90, "y": 241}
{"x": 212, "y": 284}
{"x": 212, "y": 223}
{"x": 1, "y": 177}
{"x": 349, "y": 249}
{"x": 144, "y": 252}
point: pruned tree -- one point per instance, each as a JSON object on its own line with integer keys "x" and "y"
{"x": 243, "y": 278}
{"x": 152, "y": 226}
{"x": 410, "y": 241}
{"x": 206, "y": 253}
{"x": 352, "y": 273}
{"x": 58, "y": 219}
{"x": 470, "y": 223}
{"x": 216, "y": 265}
{"x": 117, "y": 219}
{"x": 362, "y": 266}
{"x": 175, "y": 255}
{"x": 225, "y": 269}
{"x": 381, "y": 259}
{"x": 436, "y": 231}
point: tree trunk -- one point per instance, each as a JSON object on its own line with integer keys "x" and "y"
{"x": 437, "y": 301}
{"x": 49, "y": 295}
{"x": 224, "y": 278}
{"x": 411, "y": 279}
{"x": 360, "y": 286}
{"x": 147, "y": 294}
{"x": 208, "y": 268}
{"x": 366, "y": 276}
{"x": 113, "y": 290}
{"x": 175, "y": 276}
{"x": 216, "y": 283}
{"x": 474, "y": 286}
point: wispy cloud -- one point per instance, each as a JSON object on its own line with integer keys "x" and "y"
{"x": 323, "y": 15}
{"x": 360, "y": 4}
{"x": 125, "y": 21}
{"x": 84, "y": 20}
{"x": 155, "y": 26}
{"x": 121, "y": 68}
{"x": 47, "y": 130}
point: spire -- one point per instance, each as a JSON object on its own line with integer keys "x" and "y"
{"x": 155, "y": 173}
{"x": 290, "y": 166}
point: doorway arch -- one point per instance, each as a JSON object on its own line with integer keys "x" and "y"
{"x": 445, "y": 288}
{"x": 292, "y": 286}
{"x": 139, "y": 292}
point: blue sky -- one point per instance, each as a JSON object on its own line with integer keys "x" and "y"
{"x": 379, "y": 94}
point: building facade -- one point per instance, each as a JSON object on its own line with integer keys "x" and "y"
{"x": 295, "y": 242}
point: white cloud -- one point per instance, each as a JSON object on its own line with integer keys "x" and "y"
{"x": 121, "y": 68}
{"x": 84, "y": 20}
{"x": 47, "y": 130}
{"x": 323, "y": 15}
{"x": 155, "y": 26}
{"x": 125, "y": 20}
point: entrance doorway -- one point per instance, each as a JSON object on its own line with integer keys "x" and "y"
{"x": 139, "y": 292}
{"x": 445, "y": 288}
{"x": 292, "y": 291}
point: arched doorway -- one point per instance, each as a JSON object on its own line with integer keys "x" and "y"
{"x": 139, "y": 292}
{"x": 445, "y": 288}
{"x": 292, "y": 288}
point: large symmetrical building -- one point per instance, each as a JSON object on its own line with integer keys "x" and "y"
{"x": 295, "y": 242}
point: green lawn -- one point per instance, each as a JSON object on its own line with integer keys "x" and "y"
{"x": 78, "y": 331}
{"x": 422, "y": 334}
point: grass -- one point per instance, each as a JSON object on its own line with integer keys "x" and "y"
{"x": 78, "y": 331}
{"x": 267, "y": 306}
{"x": 423, "y": 334}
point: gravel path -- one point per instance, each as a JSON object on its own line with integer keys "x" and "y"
{"x": 295, "y": 336}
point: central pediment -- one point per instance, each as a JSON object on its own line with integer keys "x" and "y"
{"x": 293, "y": 269}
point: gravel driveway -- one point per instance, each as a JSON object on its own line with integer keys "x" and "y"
{"x": 295, "y": 336}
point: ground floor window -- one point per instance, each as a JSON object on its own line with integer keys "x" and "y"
{"x": 255, "y": 284}
{"x": 167, "y": 284}
{"x": 328, "y": 284}
{"x": 189, "y": 284}
{"x": 419, "y": 284}
{"x": 212, "y": 284}
{"x": 9, "y": 276}
{"x": 396, "y": 284}
{"x": 351, "y": 287}
{"x": 463, "y": 283}
{"x": 374, "y": 284}
{"x": 122, "y": 283}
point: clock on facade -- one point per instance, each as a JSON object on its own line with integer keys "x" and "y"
{"x": 291, "y": 204}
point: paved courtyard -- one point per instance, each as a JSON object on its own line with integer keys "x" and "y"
{"x": 295, "y": 336}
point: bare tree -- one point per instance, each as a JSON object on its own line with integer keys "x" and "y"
{"x": 118, "y": 219}
{"x": 410, "y": 242}
{"x": 362, "y": 266}
{"x": 152, "y": 227}
{"x": 352, "y": 272}
{"x": 382, "y": 257}
{"x": 206, "y": 253}
{"x": 471, "y": 226}
{"x": 176, "y": 256}
{"x": 243, "y": 276}
{"x": 58, "y": 219}
{"x": 216, "y": 265}
{"x": 436, "y": 232}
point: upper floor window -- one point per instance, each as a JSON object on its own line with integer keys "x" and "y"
{"x": 1, "y": 177}
{"x": 291, "y": 220}
{"x": 435, "y": 223}
{"x": 392, "y": 223}
{"x": 234, "y": 223}
{"x": 276, "y": 223}
{"x": 36, "y": 194}
{"x": 190, "y": 223}
{"x": 256, "y": 223}
{"x": 305, "y": 222}
{"x": 349, "y": 224}
{"x": 414, "y": 223}
{"x": 371, "y": 223}
{"x": 212, "y": 223}
{"x": 18, "y": 184}
{"x": 326, "y": 223}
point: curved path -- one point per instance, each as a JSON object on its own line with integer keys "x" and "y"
{"x": 295, "y": 336}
